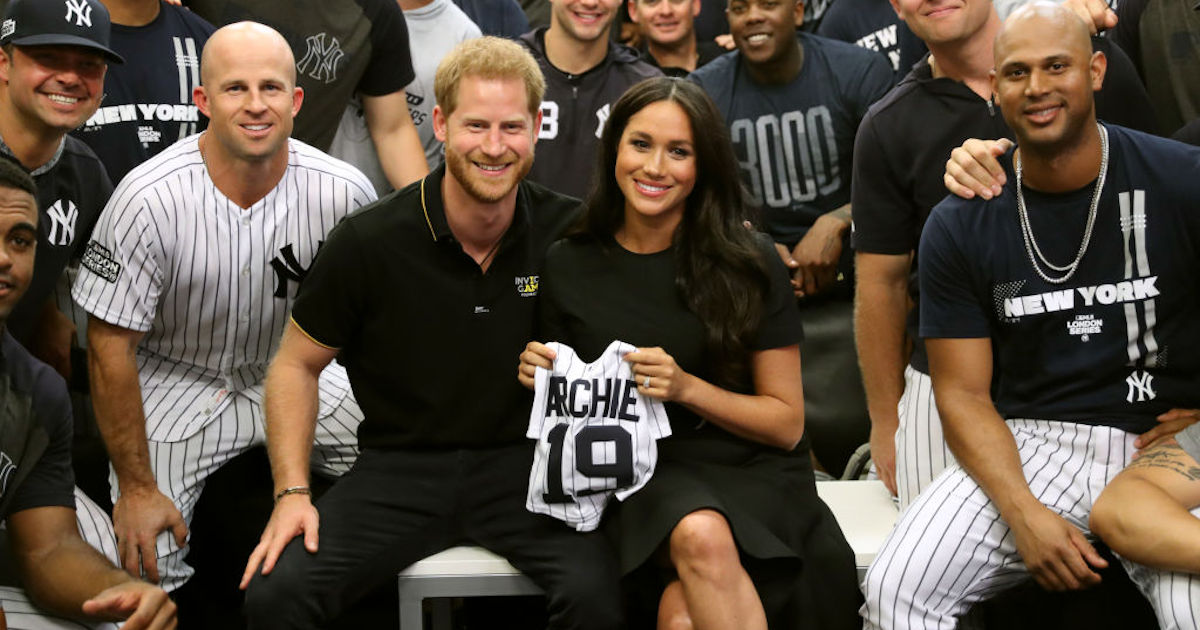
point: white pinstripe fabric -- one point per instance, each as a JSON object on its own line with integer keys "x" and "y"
{"x": 181, "y": 468}
{"x": 205, "y": 279}
{"x": 951, "y": 549}
{"x": 96, "y": 527}
{"x": 21, "y": 614}
{"x": 211, "y": 285}
{"x": 589, "y": 494}
{"x": 921, "y": 451}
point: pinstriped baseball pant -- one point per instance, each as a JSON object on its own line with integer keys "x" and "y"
{"x": 181, "y": 468}
{"x": 951, "y": 549}
{"x": 921, "y": 451}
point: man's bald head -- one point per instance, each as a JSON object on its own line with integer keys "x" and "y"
{"x": 1042, "y": 17}
{"x": 1045, "y": 77}
{"x": 248, "y": 91}
{"x": 246, "y": 38}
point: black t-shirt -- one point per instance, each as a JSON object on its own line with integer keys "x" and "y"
{"x": 705, "y": 52}
{"x": 594, "y": 293}
{"x": 794, "y": 142}
{"x": 430, "y": 343}
{"x": 35, "y": 433}
{"x": 900, "y": 155}
{"x": 148, "y": 99}
{"x": 1162, "y": 38}
{"x": 1190, "y": 133}
{"x": 874, "y": 25}
{"x": 341, "y": 47}
{"x": 502, "y": 18}
{"x": 712, "y": 21}
{"x": 1113, "y": 345}
{"x": 72, "y": 189}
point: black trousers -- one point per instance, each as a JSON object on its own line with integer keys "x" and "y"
{"x": 395, "y": 508}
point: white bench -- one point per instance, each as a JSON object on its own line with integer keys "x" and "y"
{"x": 457, "y": 572}
{"x": 864, "y": 510}
{"x": 866, "y": 513}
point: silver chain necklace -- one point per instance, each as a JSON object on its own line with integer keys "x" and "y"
{"x": 1031, "y": 246}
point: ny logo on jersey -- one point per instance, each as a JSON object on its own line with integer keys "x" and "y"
{"x": 287, "y": 267}
{"x": 1142, "y": 383}
{"x": 320, "y": 60}
{"x": 601, "y": 118}
{"x": 62, "y": 222}
{"x": 82, "y": 12}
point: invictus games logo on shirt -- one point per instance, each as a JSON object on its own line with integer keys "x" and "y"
{"x": 527, "y": 286}
{"x": 321, "y": 60}
{"x": 81, "y": 11}
{"x": 100, "y": 261}
{"x": 62, "y": 222}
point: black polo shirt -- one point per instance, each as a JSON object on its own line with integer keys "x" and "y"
{"x": 429, "y": 342}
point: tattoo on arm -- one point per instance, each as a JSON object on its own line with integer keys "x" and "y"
{"x": 1169, "y": 456}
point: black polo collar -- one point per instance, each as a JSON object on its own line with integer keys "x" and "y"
{"x": 430, "y": 189}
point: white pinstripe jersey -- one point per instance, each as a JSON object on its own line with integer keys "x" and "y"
{"x": 210, "y": 284}
{"x": 596, "y": 435}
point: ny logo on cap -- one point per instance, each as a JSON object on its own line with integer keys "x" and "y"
{"x": 82, "y": 12}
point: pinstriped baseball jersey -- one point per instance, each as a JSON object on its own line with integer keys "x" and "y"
{"x": 596, "y": 435}
{"x": 209, "y": 283}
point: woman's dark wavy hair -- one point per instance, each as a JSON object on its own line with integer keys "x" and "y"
{"x": 720, "y": 273}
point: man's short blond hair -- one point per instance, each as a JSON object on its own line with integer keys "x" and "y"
{"x": 488, "y": 58}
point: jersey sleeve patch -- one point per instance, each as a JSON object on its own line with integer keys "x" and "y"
{"x": 100, "y": 261}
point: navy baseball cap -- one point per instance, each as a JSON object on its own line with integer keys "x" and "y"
{"x": 82, "y": 23}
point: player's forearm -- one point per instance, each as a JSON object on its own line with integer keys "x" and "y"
{"x": 291, "y": 406}
{"x": 841, "y": 213}
{"x": 1142, "y": 522}
{"x": 880, "y": 311}
{"x": 984, "y": 446}
{"x": 64, "y": 577}
{"x": 117, "y": 402}
{"x": 399, "y": 148}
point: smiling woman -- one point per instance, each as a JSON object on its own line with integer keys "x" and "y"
{"x": 662, "y": 260}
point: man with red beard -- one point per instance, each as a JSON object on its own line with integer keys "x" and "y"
{"x": 427, "y": 298}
